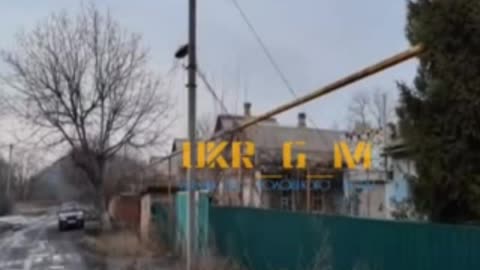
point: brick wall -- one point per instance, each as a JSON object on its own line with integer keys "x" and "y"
{"x": 125, "y": 210}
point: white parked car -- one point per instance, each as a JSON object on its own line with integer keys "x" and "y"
{"x": 70, "y": 215}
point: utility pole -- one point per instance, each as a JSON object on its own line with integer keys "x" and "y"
{"x": 192, "y": 68}
{"x": 10, "y": 169}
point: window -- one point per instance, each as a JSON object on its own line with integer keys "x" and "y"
{"x": 285, "y": 203}
{"x": 286, "y": 200}
{"x": 390, "y": 174}
{"x": 317, "y": 201}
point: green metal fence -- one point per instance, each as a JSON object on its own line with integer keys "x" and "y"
{"x": 271, "y": 239}
{"x": 163, "y": 219}
{"x": 202, "y": 219}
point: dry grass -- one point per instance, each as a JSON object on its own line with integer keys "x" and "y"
{"x": 122, "y": 243}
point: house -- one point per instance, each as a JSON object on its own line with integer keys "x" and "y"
{"x": 125, "y": 210}
{"x": 268, "y": 184}
{"x": 401, "y": 172}
{"x": 365, "y": 189}
{"x": 383, "y": 191}
{"x": 174, "y": 164}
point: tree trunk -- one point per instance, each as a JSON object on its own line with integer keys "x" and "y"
{"x": 95, "y": 168}
{"x": 103, "y": 199}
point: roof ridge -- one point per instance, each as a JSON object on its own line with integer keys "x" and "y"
{"x": 306, "y": 128}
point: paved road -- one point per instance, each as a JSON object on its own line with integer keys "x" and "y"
{"x": 35, "y": 244}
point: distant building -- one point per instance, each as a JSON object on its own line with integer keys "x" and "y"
{"x": 63, "y": 180}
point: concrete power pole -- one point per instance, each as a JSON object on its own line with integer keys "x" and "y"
{"x": 192, "y": 70}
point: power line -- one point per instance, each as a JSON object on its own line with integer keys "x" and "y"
{"x": 269, "y": 56}
{"x": 265, "y": 49}
{"x": 216, "y": 99}
{"x": 212, "y": 91}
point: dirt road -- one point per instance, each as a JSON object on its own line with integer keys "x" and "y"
{"x": 34, "y": 243}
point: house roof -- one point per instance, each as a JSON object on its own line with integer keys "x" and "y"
{"x": 177, "y": 143}
{"x": 159, "y": 189}
{"x": 228, "y": 121}
{"x": 269, "y": 136}
{"x": 396, "y": 147}
{"x": 274, "y": 136}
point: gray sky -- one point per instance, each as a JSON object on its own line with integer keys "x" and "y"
{"x": 313, "y": 41}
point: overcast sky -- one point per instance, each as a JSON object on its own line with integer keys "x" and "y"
{"x": 313, "y": 41}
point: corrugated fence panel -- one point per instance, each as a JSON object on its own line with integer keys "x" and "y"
{"x": 203, "y": 206}
{"x": 181, "y": 214}
{"x": 202, "y": 219}
{"x": 273, "y": 239}
{"x": 163, "y": 219}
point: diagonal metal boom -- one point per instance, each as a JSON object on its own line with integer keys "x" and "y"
{"x": 327, "y": 89}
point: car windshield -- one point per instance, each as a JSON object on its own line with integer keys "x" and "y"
{"x": 69, "y": 206}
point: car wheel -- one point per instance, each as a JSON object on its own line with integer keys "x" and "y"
{"x": 81, "y": 224}
{"x": 60, "y": 226}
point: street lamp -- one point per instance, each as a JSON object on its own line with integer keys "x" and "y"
{"x": 182, "y": 52}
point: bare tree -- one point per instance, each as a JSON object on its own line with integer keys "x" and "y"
{"x": 25, "y": 165}
{"x": 205, "y": 126}
{"x": 357, "y": 110}
{"x": 335, "y": 126}
{"x": 370, "y": 110}
{"x": 84, "y": 81}
{"x": 119, "y": 177}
